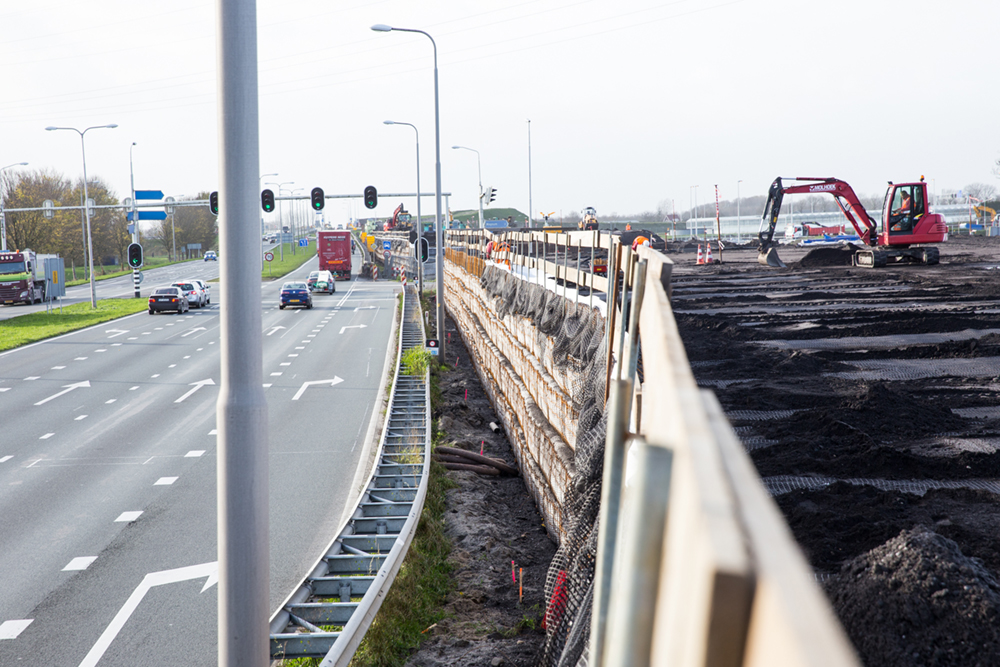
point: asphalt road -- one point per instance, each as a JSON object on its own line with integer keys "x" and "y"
{"x": 107, "y": 472}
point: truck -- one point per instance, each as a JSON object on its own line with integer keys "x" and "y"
{"x": 334, "y": 251}
{"x": 22, "y": 277}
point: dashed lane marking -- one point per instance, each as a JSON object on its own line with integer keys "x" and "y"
{"x": 79, "y": 563}
{"x": 128, "y": 517}
{"x": 165, "y": 481}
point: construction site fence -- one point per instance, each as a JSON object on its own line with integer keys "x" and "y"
{"x": 687, "y": 563}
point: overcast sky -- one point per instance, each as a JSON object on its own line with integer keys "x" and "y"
{"x": 631, "y": 102}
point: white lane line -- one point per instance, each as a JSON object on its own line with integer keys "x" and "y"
{"x": 194, "y": 453}
{"x": 46, "y": 436}
{"x": 315, "y": 331}
{"x": 199, "y": 349}
{"x": 31, "y": 377}
{"x": 127, "y": 517}
{"x": 165, "y": 481}
{"x": 188, "y": 356}
{"x": 293, "y": 355}
{"x": 80, "y": 359}
{"x": 81, "y": 417}
{"x": 171, "y": 324}
{"x": 116, "y": 344}
{"x": 195, "y": 387}
{"x": 214, "y": 431}
{"x": 158, "y": 329}
{"x": 307, "y": 341}
{"x": 149, "y": 460}
{"x": 5, "y": 459}
{"x": 285, "y": 363}
{"x": 110, "y": 401}
{"x": 58, "y": 368}
{"x": 147, "y": 333}
{"x": 172, "y": 366}
{"x": 79, "y": 563}
{"x": 155, "y": 376}
{"x": 132, "y": 338}
{"x": 311, "y": 336}
{"x": 11, "y": 629}
{"x": 104, "y": 350}
{"x": 3, "y": 389}
{"x": 300, "y": 348}
{"x": 133, "y": 388}
{"x": 276, "y": 374}
{"x": 266, "y": 385}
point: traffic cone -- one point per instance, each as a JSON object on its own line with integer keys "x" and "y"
{"x": 701, "y": 259}
{"x": 708, "y": 259}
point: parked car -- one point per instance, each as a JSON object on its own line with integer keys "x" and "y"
{"x": 325, "y": 282}
{"x": 311, "y": 280}
{"x": 295, "y": 293}
{"x": 168, "y": 298}
{"x": 206, "y": 288}
{"x": 193, "y": 291}
{"x": 210, "y": 256}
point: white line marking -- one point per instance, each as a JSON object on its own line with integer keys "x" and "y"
{"x": 126, "y": 517}
{"x": 172, "y": 366}
{"x": 188, "y": 356}
{"x": 5, "y": 459}
{"x": 46, "y": 436}
{"x": 79, "y": 563}
{"x": 104, "y": 350}
{"x": 66, "y": 389}
{"x": 146, "y": 333}
{"x": 2, "y": 389}
{"x": 165, "y": 481}
{"x": 214, "y": 431}
{"x": 116, "y": 344}
{"x": 80, "y": 418}
{"x": 334, "y": 382}
{"x": 116, "y": 332}
{"x": 196, "y": 386}
{"x": 58, "y": 368}
{"x": 210, "y": 570}
{"x": 80, "y": 359}
{"x": 194, "y": 453}
{"x": 353, "y": 326}
{"x": 199, "y": 349}
{"x": 311, "y": 335}
{"x": 11, "y": 629}
{"x": 267, "y": 384}
{"x": 293, "y": 355}
{"x": 276, "y": 374}
{"x": 132, "y": 338}
{"x": 133, "y": 388}
{"x": 155, "y": 376}
{"x": 300, "y": 348}
{"x": 31, "y": 377}
{"x": 149, "y": 460}
{"x": 158, "y": 329}
{"x": 307, "y": 341}
{"x": 110, "y": 401}
{"x": 285, "y": 363}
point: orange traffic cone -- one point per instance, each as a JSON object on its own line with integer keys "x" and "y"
{"x": 708, "y": 259}
{"x": 701, "y": 259}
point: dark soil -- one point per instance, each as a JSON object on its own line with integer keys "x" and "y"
{"x": 491, "y": 522}
{"x": 912, "y": 577}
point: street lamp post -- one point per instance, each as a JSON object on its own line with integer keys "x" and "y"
{"x": 529, "y": 175}
{"x": 438, "y": 235}
{"x": 281, "y": 220}
{"x": 3, "y": 219}
{"x": 479, "y": 168}
{"x": 86, "y": 208}
{"x": 296, "y": 210}
{"x": 420, "y": 228}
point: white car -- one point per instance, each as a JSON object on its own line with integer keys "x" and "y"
{"x": 206, "y": 288}
{"x": 195, "y": 294}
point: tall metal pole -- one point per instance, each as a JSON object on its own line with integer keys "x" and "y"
{"x": 739, "y": 220}
{"x": 420, "y": 228}
{"x": 135, "y": 218}
{"x": 241, "y": 411}
{"x": 479, "y": 168}
{"x": 530, "y": 209}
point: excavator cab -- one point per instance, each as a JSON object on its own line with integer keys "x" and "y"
{"x": 904, "y": 206}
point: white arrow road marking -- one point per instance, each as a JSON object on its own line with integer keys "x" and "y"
{"x": 197, "y": 385}
{"x": 11, "y": 629}
{"x": 335, "y": 381}
{"x": 210, "y": 570}
{"x": 364, "y": 308}
{"x": 191, "y": 331}
{"x": 116, "y": 332}
{"x": 67, "y": 388}
{"x": 353, "y": 326}
{"x": 274, "y": 330}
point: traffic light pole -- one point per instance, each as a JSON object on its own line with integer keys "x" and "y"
{"x": 135, "y": 218}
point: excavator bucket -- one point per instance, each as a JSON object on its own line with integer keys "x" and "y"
{"x": 769, "y": 257}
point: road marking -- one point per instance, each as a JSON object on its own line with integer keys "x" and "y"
{"x": 146, "y": 333}
{"x": 66, "y": 389}
{"x": 194, "y": 453}
{"x": 293, "y": 355}
{"x": 2, "y": 389}
{"x": 116, "y": 332}
{"x": 79, "y": 563}
{"x": 311, "y": 336}
{"x": 364, "y": 308}
{"x": 127, "y": 517}
{"x": 300, "y": 348}
{"x": 132, "y": 338}
{"x": 285, "y": 363}
{"x": 158, "y": 329}
{"x": 165, "y": 481}
{"x": 58, "y": 368}
{"x": 353, "y": 326}
{"x": 276, "y": 374}
{"x": 316, "y": 331}
{"x": 155, "y": 376}
{"x": 104, "y": 350}
{"x": 133, "y": 388}
{"x": 80, "y": 418}
{"x": 172, "y": 366}
{"x": 171, "y": 324}
{"x": 214, "y": 431}
{"x": 80, "y": 359}
{"x": 31, "y": 377}
{"x": 197, "y": 385}
{"x": 11, "y": 629}
{"x": 46, "y": 436}
{"x": 116, "y": 344}
{"x": 5, "y": 459}
{"x": 188, "y": 356}
{"x": 266, "y": 385}
{"x": 110, "y": 401}
{"x": 307, "y": 341}
{"x": 210, "y": 570}
{"x": 191, "y": 331}
{"x": 198, "y": 350}
{"x": 334, "y": 382}
{"x": 274, "y": 330}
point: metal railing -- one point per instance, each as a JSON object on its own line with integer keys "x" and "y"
{"x": 349, "y": 582}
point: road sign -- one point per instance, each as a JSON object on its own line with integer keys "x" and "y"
{"x": 387, "y": 255}
{"x": 148, "y": 215}
{"x": 432, "y": 346}
{"x": 303, "y": 243}
{"x": 148, "y": 194}
{"x": 386, "y": 245}
{"x": 269, "y": 256}
{"x": 169, "y": 201}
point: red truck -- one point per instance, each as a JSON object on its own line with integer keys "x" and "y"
{"x": 334, "y": 251}
{"x": 22, "y": 277}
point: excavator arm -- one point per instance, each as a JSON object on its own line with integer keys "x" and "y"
{"x": 843, "y": 194}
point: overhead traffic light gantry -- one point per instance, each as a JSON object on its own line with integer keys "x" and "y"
{"x": 318, "y": 200}
{"x": 267, "y": 200}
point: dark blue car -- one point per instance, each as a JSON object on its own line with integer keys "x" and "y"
{"x": 295, "y": 294}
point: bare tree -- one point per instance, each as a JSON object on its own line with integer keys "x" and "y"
{"x": 982, "y": 191}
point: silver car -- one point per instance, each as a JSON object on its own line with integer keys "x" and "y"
{"x": 193, "y": 291}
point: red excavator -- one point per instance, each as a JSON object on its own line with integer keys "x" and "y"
{"x": 906, "y": 222}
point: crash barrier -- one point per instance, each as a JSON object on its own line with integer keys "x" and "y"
{"x": 330, "y": 611}
{"x": 689, "y": 562}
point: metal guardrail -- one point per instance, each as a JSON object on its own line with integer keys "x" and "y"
{"x": 363, "y": 559}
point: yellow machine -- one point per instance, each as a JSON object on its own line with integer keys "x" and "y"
{"x": 589, "y": 218}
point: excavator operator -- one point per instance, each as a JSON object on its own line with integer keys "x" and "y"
{"x": 900, "y": 217}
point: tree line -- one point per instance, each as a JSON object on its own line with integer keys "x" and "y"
{"x": 65, "y": 233}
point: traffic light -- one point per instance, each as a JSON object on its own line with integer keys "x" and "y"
{"x": 213, "y": 203}
{"x": 135, "y": 255}
{"x": 371, "y": 197}
{"x": 267, "y": 200}
{"x": 318, "y": 200}
{"x": 425, "y": 249}
{"x": 492, "y": 192}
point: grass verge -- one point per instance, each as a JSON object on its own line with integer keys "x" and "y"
{"x": 279, "y": 268}
{"x": 25, "y": 329}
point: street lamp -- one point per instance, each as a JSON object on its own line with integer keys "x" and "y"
{"x": 3, "y": 220}
{"x": 86, "y": 208}
{"x": 480, "y": 169}
{"x": 529, "y": 175}
{"x": 438, "y": 236}
{"x": 420, "y": 229}
{"x": 281, "y": 219}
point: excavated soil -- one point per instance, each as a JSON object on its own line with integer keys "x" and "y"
{"x": 882, "y": 453}
{"x": 492, "y": 522}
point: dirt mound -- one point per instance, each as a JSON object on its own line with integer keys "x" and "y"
{"x": 827, "y": 256}
{"x": 942, "y": 606}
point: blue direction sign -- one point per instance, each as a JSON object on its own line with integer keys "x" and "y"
{"x": 386, "y": 244}
{"x": 148, "y": 215}
{"x": 148, "y": 194}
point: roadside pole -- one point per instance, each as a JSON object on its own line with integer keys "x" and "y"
{"x": 241, "y": 411}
